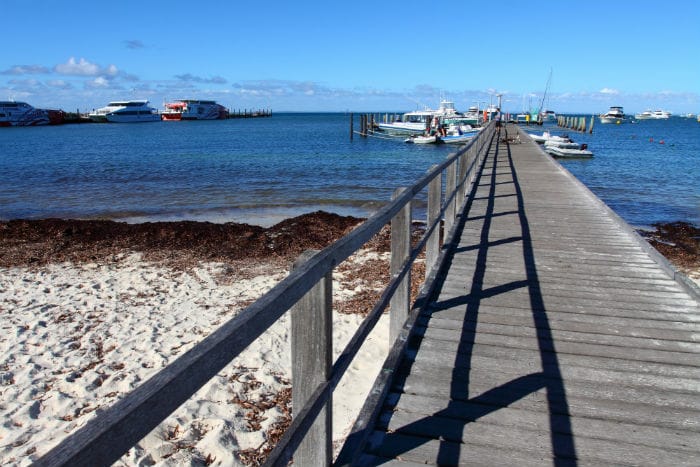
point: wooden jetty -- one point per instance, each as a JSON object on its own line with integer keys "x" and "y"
{"x": 552, "y": 336}
{"x": 547, "y": 333}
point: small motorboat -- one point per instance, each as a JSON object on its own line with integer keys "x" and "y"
{"x": 570, "y": 153}
{"x": 434, "y": 139}
{"x": 547, "y": 136}
{"x": 561, "y": 144}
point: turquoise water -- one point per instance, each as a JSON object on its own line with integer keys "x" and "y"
{"x": 262, "y": 170}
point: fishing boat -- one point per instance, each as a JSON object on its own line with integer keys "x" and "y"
{"x": 191, "y": 109}
{"x": 613, "y": 115}
{"x": 14, "y": 113}
{"x": 125, "y": 112}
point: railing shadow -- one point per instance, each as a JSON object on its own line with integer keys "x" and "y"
{"x": 448, "y": 424}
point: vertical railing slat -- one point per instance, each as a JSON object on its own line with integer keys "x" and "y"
{"x": 312, "y": 358}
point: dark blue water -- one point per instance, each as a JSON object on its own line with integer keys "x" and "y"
{"x": 647, "y": 172}
{"x": 262, "y": 170}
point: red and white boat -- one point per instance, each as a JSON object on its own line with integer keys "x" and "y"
{"x": 191, "y": 109}
{"x": 14, "y": 113}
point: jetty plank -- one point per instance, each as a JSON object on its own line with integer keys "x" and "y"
{"x": 553, "y": 336}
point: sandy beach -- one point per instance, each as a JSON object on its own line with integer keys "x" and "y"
{"x": 91, "y": 309}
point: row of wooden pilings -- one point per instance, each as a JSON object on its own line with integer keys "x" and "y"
{"x": 576, "y": 123}
{"x": 366, "y": 125}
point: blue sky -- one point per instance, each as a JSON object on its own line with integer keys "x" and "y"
{"x": 359, "y": 56}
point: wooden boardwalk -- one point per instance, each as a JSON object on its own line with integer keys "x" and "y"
{"x": 552, "y": 338}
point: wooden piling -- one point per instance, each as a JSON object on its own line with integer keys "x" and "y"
{"x": 400, "y": 251}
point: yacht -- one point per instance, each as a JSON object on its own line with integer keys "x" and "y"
{"x": 22, "y": 114}
{"x": 125, "y": 112}
{"x": 614, "y": 115}
{"x": 191, "y": 109}
{"x": 418, "y": 121}
{"x": 655, "y": 115}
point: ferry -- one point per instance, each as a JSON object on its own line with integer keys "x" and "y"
{"x": 125, "y": 112}
{"x": 22, "y": 114}
{"x": 191, "y": 109}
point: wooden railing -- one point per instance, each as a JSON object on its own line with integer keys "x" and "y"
{"x": 105, "y": 438}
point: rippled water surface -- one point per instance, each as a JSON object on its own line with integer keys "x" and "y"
{"x": 262, "y": 170}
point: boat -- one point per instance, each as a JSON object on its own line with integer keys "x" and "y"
{"x": 191, "y": 109}
{"x": 613, "y": 115}
{"x": 125, "y": 112}
{"x": 655, "y": 115}
{"x": 547, "y": 136}
{"x": 548, "y": 116}
{"x": 560, "y": 144}
{"x": 581, "y": 151}
{"x": 14, "y": 113}
{"x": 418, "y": 121}
{"x": 433, "y": 139}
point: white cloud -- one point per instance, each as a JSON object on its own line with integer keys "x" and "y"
{"x": 99, "y": 82}
{"x": 613, "y": 92}
{"x": 26, "y": 70}
{"x": 84, "y": 68}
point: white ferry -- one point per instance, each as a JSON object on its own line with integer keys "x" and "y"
{"x": 125, "y": 112}
{"x": 191, "y": 109}
{"x": 22, "y": 114}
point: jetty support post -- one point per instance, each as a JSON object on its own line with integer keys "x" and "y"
{"x": 432, "y": 248}
{"x": 400, "y": 251}
{"x": 351, "y": 124}
{"x": 312, "y": 359}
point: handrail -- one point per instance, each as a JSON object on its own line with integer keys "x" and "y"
{"x": 105, "y": 438}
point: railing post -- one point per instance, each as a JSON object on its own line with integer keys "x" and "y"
{"x": 450, "y": 185}
{"x": 312, "y": 357}
{"x": 432, "y": 249}
{"x": 400, "y": 250}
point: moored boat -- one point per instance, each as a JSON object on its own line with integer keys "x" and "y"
{"x": 614, "y": 115}
{"x": 14, "y": 113}
{"x": 418, "y": 121}
{"x": 125, "y": 112}
{"x": 655, "y": 115}
{"x": 548, "y": 116}
{"x": 581, "y": 151}
{"x": 192, "y": 109}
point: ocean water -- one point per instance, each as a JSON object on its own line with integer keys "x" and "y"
{"x": 262, "y": 170}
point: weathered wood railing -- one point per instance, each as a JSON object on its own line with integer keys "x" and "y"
{"x": 105, "y": 438}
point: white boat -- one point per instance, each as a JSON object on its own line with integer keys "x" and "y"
{"x": 22, "y": 114}
{"x": 547, "y": 136}
{"x": 548, "y": 116}
{"x": 560, "y": 144}
{"x": 655, "y": 115}
{"x": 614, "y": 115}
{"x": 191, "y": 109}
{"x": 573, "y": 153}
{"x": 423, "y": 139}
{"x": 125, "y": 112}
{"x": 418, "y": 121}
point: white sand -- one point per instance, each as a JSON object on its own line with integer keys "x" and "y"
{"x": 75, "y": 339}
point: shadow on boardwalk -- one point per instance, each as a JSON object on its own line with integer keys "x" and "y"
{"x": 448, "y": 425}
